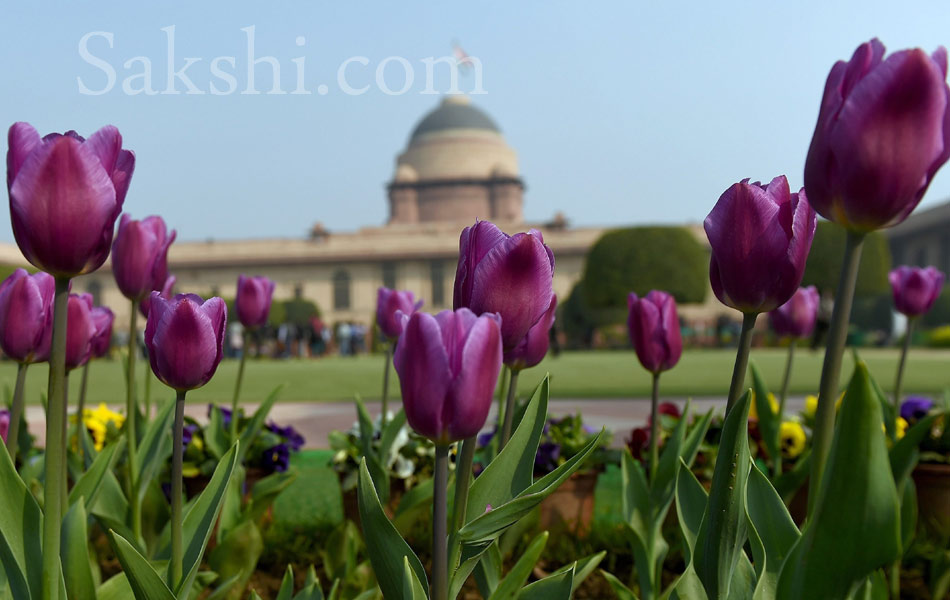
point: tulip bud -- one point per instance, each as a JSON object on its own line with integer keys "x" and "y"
{"x": 26, "y": 316}
{"x": 883, "y": 131}
{"x": 185, "y": 339}
{"x": 448, "y": 366}
{"x": 508, "y": 275}
{"x": 80, "y": 330}
{"x": 166, "y": 293}
{"x": 534, "y": 346}
{"x": 4, "y": 424}
{"x": 915, "y": 289}
{"x": 796, "y": 318}
{"x": 102, "y": 319}
{"x": 252, "y": 304}
{"x": 140, "y": 256}
{"x": 760, "y": 237}
{"x": 388, "y": 303}
{"x": 655, "y": 330}
{"x": 65, "y": 195}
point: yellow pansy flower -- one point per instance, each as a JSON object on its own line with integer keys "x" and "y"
{"x": 754, "y": 414}
{"x": 97, "y": 421}
{"x": 792, "y": 439}
{"x": 811, "y": 405}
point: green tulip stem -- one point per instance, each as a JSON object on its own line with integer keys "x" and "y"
{"x": 53, "y": 491}
{"x": 654, "y": 426}
{"x": 176, "y": 517}
{"x": 440, "y": 558}
{"x": 899, "y": 379}
{"x": 777, "y": 460}
{"x": 131, "y": 412}
{"x": 831, "y": 369}
{"x": 64, "y": 497}
{"x": 80, "y": 407}
{"x": 384, "y": 408}
{"x": 742, "y": 359}
{"x": 509, "y": 408}
{"x": 463, "y": 481}
{"x": 147, "y": 376}
{"x": 16, "y": 411}
{"x": 237, "y": 387}
{"x": 500, "y": 392}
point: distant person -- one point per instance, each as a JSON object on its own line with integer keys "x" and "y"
{"x": 344, "y": 338}
{"x": 235, "y": 340}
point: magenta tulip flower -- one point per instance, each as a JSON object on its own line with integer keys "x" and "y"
{"x": 796, "y": 318}
{"x": 166, "y": 293}
{"x": 80, "y": 330}
{"x": 252, "y": 304}
{"x": 102, "y": 319}
{"x": 388, "y": 303}
{"x": 534, "y": 346}
{"x": 508, "y": 275}
{"x": 140, "y": 256}
{"x": 26, "y": 316}
{"x": 448, "y": 366}
{"x": 655, "y": 330}
{"x": 760, "y": 237}
{"x": 915, "y": 289}
{"x": 883, "y": 131}
{"x": 65, "y": 194}
{"x": 185, "y": 339}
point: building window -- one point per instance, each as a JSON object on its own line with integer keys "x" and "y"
{"x": 389, "y": 275}
{"x": 437, "y": 278}
{"x": 95, "y": 290}
{"x": 341, "y": 290}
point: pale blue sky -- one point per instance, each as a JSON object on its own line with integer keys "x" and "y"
{"x": 631, "y": 112}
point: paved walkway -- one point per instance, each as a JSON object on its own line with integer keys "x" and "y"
{"x": 316, "y": 420}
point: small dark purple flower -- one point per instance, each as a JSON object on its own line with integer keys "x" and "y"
{"x": 225, "y": 414}
{"x": 187, "y": 432}
{"x": 291, "y": 436}
{"x": 546, "y": 457}
{"x": 916, "y": 408}
{"x": 277, "y": 458}
{"x": 485, "y": 438}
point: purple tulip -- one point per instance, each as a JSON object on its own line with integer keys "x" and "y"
{"x": 796, "y": 318}
{"x": 102, "y": 319}
{"x": 65, "y": 194}
{"x": 80, "y": 330}
{"x": 883, "y": 131}
{"x": 140, "y": 256}
{"x": 508, "y": 275}
{"x": 534, "y": 346}
{"x": 448, "y": 366}
{"x": 915, "y": 289}
{"x": 26, "y": 316}
{"x": 915, "y": 408}
{"x": 760, "y": 237}
{"x": 252, "y": 304}
{"x": 166, "y": 293}
{"x": 655, "y": 330}
{"x": 185, "y": 339}
{"x": 388, "y": 302}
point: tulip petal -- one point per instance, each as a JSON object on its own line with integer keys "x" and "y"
{"x": 22, "y": 139}
{"x": 424, "y": 376}
{"x": 184, "y": 347}
{"x": 474, "y": 243}
{"x": 106, "y": 145}
{"x": 470, "y": 395}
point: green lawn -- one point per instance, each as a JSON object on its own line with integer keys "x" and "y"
{"x": 573, "y": 375}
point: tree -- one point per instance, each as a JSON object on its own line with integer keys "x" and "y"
{"x": 824, "y": 261}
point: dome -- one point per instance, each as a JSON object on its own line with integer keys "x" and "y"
{"x": 455, "y": 112}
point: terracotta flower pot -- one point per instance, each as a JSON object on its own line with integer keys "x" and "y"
{"x": 933, "y": 495}
{"x": 571, "y": 505}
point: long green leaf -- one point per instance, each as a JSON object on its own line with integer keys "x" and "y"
{"x": 388, "y": 436}
{"x": 90, "y": 482}
{"x": 622, "y": 591}
{"x": 647, "y": 542}
{"x": 256, "y": 423}
{"x": 374, "y": 461}
{"x": 769, "y": 421}
{"x": 74, "y": 551}
{"x": 20, "y": 525}
{"x": 772, "y": 533}
{"x": 691, "y": 501}
{"x": 155, "y": 448}
{"x": 217, "y": 437}
{"x": 236, "y": 555}
{"x": 855, "y": 527}
{"x": 386, "y": 548}
{"x": 509, "y": 587}
{"x": 553, "y": 587}
{"x": 412, "y": 588}
{"x": 286, "y": 585}
{"x": 145, "y": 581}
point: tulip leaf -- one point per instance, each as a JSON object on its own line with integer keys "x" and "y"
{"x": 854, "y": 528}
{"x": 412, "y": 588}
{"x": 649, "y": 548}
{"x": 488, "y": 570}
{"x": 691, "y": 501}
{"x": 89, "y": 483}
{"x": 235, "y": 557}
{"x": 199, "y": 519}
{"x": 386, "y": 548}
{"x": 74, "y": 551}
{"x": 115, "y": 588}
{"x": 770, "y": 422}
{"x": 216, "y": 435}
{"x": 905, "y": 452}
{"x": 509, "y": 587}
{"x": 286, "y": 585}
{"x": 511, "y": 472}
{"x": 311, "y": 587}
{"x": 374, "y": 461}
{"x": 21, "y": 522}
{"x": 621, "y": 590}
{"x": 256, "y": 423}
{"x": 557, "y": 586}
{"x": 789, "y": 482}
{"x": 145, "y": 582}
{"x": 873, "y": 588}
{"x": 155, "y": 449}
{"x": 388, "y": 436}
{"x": 772, "y": 533}
{"x": 723, "y": 531}
{"x": 265, "y": 492}
{"x": 583, "y": 567}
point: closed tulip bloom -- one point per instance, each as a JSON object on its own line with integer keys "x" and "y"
{"x": 655, "y": 330}
{"x": 26, "y": 316}
{"x": 915, "y": 289}
{"x": 883, "y": 131}
{"x": 65, "y": 194}
{"x": 796, "y": 318}
{"x": 388, "y": 303}
{"x": 760, "y": 237}
{"x": 140, "y": 256}
{"x": 448, "y": 366}
{"x": 80, "y": 329}
{"x": 534, "y": 346}
{"x": 508, "y": 275}
{"x": 252, "y": 304}
{"x": 185, "y": 339}
{"x": 166, "y": 292}
{"x": 102, "y": 319}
